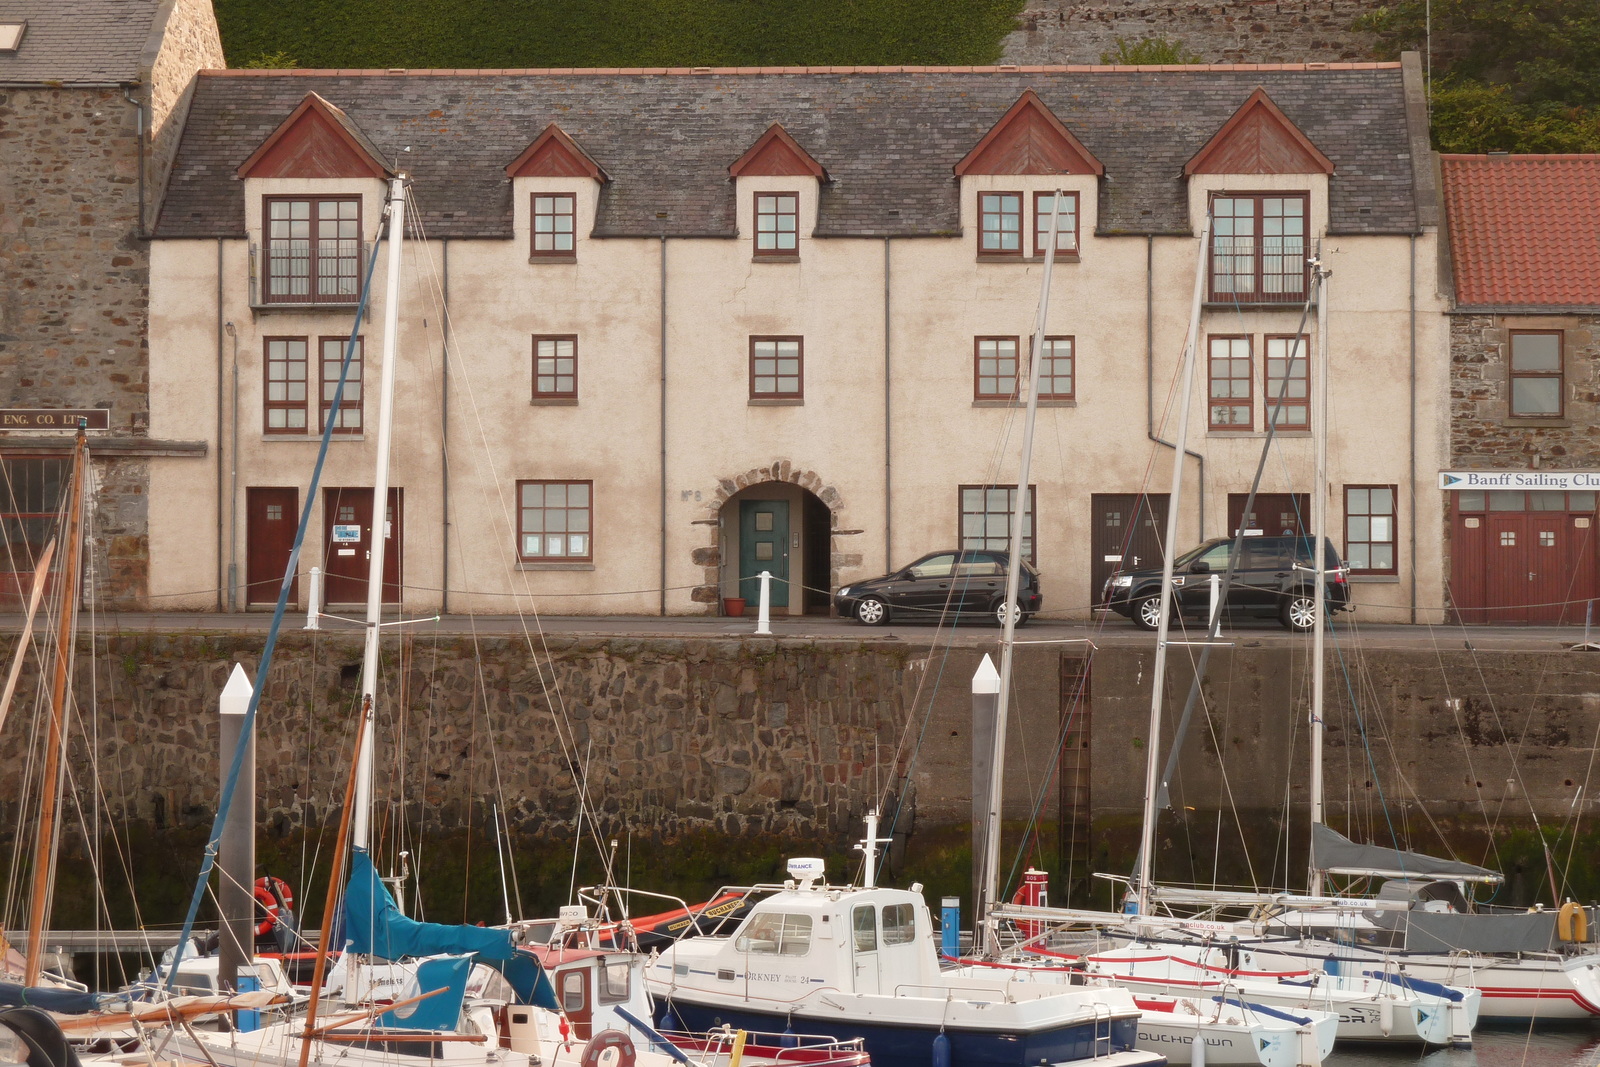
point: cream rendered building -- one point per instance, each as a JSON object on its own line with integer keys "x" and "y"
{"x": 661, "y": 330}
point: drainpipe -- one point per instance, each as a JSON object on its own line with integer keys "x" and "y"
{"x": 888, "y": 451}
{"x": 662, "y": 388}
{"x": 138, "y": 105}
{"x": 233, "y": 481}
{"x": 1412, "y": 431}
{"x": 1150, "y": 375}
{"x": 220, "y": 479}
{"x": 444, "y": 433}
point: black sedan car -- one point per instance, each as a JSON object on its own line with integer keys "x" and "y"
{"x": 940, "y": 585}
{"x": 1273, "y": 576}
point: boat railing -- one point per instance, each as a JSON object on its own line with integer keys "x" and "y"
{"x": 1103, "y": 1016}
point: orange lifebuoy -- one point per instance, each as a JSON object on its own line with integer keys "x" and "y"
{"x": 272, "y": 895}
{"x": 594, "y": 1053}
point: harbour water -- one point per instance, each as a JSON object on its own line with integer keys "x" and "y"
{"x": 1502, "y": 1046}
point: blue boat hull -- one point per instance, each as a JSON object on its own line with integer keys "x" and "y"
{"x": 912, "y": 1046}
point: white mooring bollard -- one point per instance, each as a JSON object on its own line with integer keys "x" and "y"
{"x": 313, "y": 607}
{"x": 764, "y": 619}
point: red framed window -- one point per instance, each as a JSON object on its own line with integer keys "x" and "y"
{"x": 1258, "y": 248}
{"x": 1369, "y": 528}
{"x": 284, "y": 408}
{"x": 1067, "y": 228}
{"x": 777, "y": 368}
{"x": 994, "y": 368}
{"x": 1538, "y": 387}
{"x": 555, "y": 367}
{"x": 1000, "y": 224}
{"x": 777, "y": 224}
{"x": 349, "y": 420}
{"x": 313, "y": 250}
{"x": 1288, "y": 357}
{"x": 555, "y": 218}
{"x": 985, "y": 518}
{"x": 1056, "y": 377}
{"x": 1232, "y": 406}
{"x": 555, "y": 521}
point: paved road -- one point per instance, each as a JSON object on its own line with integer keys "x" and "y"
{"x": 1111, "y": 630}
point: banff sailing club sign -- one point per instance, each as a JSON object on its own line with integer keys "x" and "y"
{"x": 1519, "y": 480}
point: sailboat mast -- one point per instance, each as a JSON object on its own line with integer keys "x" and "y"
{"x": 361, "y": 833}
{"x": 1008, "y": 627}
{"x": 1319, "y": 522}
{"x": 1158, "y": 685}
{"x": 44, "y": 853}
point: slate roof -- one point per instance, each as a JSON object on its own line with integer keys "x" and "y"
{"x": 77, "y": 41}
{"x": 1524, "y": 230}
{"x": 889, "y": 138}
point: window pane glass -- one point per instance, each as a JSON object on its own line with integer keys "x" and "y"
{"x": 1470, "y": 500}
{"x": 899, "y": 924}
{"x": 1545, "y": 500}
{"x": 1507, "y": 500}
{"x": 1535, "y": 396}
{"x": 864, "y": 924}
{"x": 1583, "y": 501}
{"x": 1535, "y": 352}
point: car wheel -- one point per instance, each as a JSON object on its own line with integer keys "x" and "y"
{"x": 1016, "y": 613}
{"x": 872, "y": 611}
{"x": 1147, "y": 612}
{"x": 1299, "y": 612}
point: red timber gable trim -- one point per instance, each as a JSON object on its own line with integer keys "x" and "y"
{"x": 1259, "y": 139}
{"x": 776, "y": 154}
{"x": 555, "y": 155}
{"x": 1029, "y": 139}
{"x": 317, "y": 140}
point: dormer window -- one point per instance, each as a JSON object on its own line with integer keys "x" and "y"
{"x": 11, "y": 35}
{"x": 1044, "y": 207}
{"x": 777, "y": 224}
{"x": 1258, "y": 248}
{"x": 1000, "y": 224}
{"x": 313, "y": 250}
{"x": 554, "y": 224}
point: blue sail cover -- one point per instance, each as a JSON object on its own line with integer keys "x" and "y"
{"x": 442, "y": 1010}
{"x": 65, "y": 1001}
{"x": 374, "y": 925}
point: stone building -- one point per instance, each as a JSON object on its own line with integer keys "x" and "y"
{"x": 90, "y": 95}
{"x": 671, "y": 328}
{"x": 1524, "y": 385}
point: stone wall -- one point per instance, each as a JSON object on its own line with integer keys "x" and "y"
{"x": 1481, "y": 434}
{"x": 1252, "y": 31}
{"x": 190, "y": 42}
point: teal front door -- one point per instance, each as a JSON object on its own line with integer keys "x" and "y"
{"x": 764, "y": 546}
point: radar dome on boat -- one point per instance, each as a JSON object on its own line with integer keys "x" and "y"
{"x": 806, "y": 870}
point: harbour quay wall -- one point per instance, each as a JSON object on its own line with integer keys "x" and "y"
{"x": 797, "y": 739}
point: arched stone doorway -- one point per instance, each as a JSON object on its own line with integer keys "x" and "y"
{"x": 780, "y": 519}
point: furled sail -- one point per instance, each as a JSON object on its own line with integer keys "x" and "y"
{"x": 375, "y": 926}
{"x": 1334, "y": 853}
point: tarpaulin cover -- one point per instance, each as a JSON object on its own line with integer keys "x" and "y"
{"x": 66, "y": 1001}
{"x": 442, "y": 1010}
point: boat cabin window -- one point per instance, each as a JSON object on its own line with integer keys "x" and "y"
{"x": 613, "y": 982}
{"x": 573, "y": 992}
{"x": 191, "y": 983}
{"x": 864, "y": 923}
{"x": 777, "y": 934}
{"x": 899, "y": 924}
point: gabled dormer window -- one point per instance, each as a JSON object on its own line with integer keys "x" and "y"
{"x": 1258, "y": 248}
{"x": 777, "y": 224}
{"x": 781, "y": 181}
{"x": 313, "y": 250}
{"x": 554, "y": 224}
{"x": 1000, "y": 224}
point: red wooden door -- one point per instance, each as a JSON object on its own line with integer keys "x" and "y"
{"x": 271, "y": 517}
{"x": 1560, "y": 566}
{"x": 347, "y": 538}
{"x": 1506, "y": 577}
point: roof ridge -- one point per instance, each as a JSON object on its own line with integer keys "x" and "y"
{"x": 566, "y": 72}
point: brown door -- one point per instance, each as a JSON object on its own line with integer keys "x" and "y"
{"x": 271, "y": 517}
{"x": 1507, "y": 577}
{"x": 347, "y": 534}
{"x": 1274, "y": 514}
{"x": 573, "y": 985}
{"x": 1126, "y": 535}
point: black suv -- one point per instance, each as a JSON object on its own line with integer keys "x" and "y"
{"x": 1272, "y": 577}
{"x": 951, "y": 582}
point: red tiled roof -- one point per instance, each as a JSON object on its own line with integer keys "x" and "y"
{"x": 1524, "y": 230}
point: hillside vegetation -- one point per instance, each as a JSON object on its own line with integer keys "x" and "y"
{"x": 612, "y": 33}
